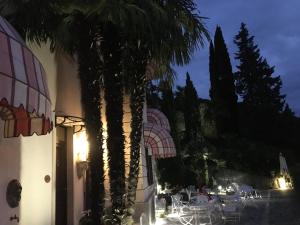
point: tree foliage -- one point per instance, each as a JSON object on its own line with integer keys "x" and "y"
{"x": 191, "y": 110}
{"x": 256, "y": 84}
{"x": 266, "y": 125}
{"x": 222, "y": 90}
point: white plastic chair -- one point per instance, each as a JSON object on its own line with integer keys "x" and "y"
{"x": 203, "y": 214}
{"x": 176, "y": 204}
{"x": 231, "y": 211}
{"x": 186, "y": 216}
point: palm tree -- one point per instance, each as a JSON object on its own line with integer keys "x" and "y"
{"x": 173, "y": 40}
{"x": 111, "y": 53}
{"x": 167, "y": 32}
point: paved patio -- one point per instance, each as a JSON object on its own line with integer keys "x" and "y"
{"x": 275, "y": 208}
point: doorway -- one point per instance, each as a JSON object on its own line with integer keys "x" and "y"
{"x": 61, "y": 177}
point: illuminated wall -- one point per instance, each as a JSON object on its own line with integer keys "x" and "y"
{"x": 30, "y": 159}
{"x": 62, "y": 68}
{"x": 36, "y": 163}
{"x": 9, "y": 170}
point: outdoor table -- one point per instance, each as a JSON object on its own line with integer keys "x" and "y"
{"x": 202, "y": 214}
{"x": 199, "y": 210}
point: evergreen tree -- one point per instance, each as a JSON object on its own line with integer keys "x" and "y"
{"x": 256, "y": 84}
{"x": 179, "y": 98}
{"x": 222, "y": 90}
{"x": 193, "y": 142}
{"x": 168, "y": 106}
{"x": 212, "y": 91}
{"x": 191, "y": 110}
{"x": 171, "y": 169}
{"x": 288, "y": 112}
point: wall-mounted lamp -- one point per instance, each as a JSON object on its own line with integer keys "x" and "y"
{"x": 81, "y": 148}
{"x": 81, "y": 167}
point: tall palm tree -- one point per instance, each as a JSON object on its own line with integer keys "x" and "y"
{"x": 89, "y": 72}
{"x": 173, "y": 40}
{"x": 135, "y": 71}
{"x": 111, "y": 53}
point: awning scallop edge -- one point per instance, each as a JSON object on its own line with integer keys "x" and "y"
{"x": 24, "y": 97}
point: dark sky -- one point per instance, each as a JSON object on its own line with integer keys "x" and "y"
{"x": 275, "y": 25}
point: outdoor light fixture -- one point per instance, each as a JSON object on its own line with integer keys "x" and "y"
{"x": 81, "y": 147}
{"x": 282, "y": 183}
{"x": 205, "y": 156}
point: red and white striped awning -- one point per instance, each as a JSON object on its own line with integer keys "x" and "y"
{"x": 159, "y": 141}
{"x": 24, "y": 97}
{"x": 157, "y": 117}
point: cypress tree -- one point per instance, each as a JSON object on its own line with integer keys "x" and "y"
{"x": 168, "y": 106}
{"x": 222, "y": 90}
{"x": 191, "y": 110}
{"x": 288, "y": 111}
{"x": 192, "y": 143}
{"x": 256, "y": 84}
{"x": 213, "y": 81}
{"x": 171, "y": 169}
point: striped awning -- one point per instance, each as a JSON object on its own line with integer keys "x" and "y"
{"x": 159, "y": 141}
{"x": 155, "y": 116}
{"x": 24, "y": 97}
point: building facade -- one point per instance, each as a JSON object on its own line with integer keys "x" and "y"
{"x": 43, "y": 146}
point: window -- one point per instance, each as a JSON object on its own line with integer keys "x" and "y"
{"x": 149, "y": 167}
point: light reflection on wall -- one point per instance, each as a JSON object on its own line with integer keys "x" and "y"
{"x": 81, "y": 146}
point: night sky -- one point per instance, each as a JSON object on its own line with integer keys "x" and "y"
{"x": 275, "y": 25}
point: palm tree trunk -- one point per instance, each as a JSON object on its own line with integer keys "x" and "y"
{"x": 136, "y": 73}
{"x": 113, "y": 95}
{"x": 91, "y": 101}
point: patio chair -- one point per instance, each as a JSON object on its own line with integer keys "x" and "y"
{"x": 186, "y": 216}
{"x": 202, "y": 214}
{"x": 231, "y": 211}
{"x": 184, "y": 198}
{"x": 176, "y": 203}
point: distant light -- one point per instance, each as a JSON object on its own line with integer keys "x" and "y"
{"x": 282, "y": 183}
{"x": 159, "y": 187}
{"x": 219, "y": 187}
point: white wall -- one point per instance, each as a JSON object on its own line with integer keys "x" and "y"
{"x": 144, "y": 190}
{"x": 36, "y": 163}
{"x": 48, "y": 61}
{"x": 9, "y": 170}
{"x": 28, "y": 159}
